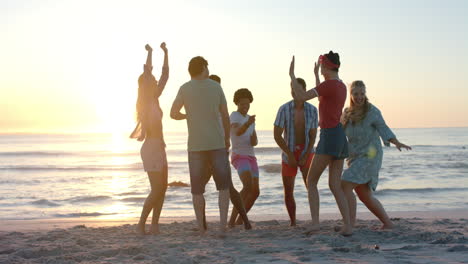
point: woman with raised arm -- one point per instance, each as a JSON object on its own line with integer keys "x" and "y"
{"x": 149, "y": 129}
{"x": 364, "y": 126}
{"x": 332, "y": 148}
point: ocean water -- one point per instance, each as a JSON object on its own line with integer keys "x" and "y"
{"x": 100, "y": 176}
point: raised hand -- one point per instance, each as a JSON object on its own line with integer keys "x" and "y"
{"x": 316, "y": 68}
{"x": 291, "y": 69}
{"x": 163, "y": 46}
{"x": 148, "y": 48}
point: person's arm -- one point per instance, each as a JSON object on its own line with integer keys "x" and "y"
{"x": 312, "y": 135}
{"x": 177, "y": 106}
{"x": 254, "y": 139}
{"x": 398, "y": 144}
{"x": 386, "y": 133}
{"x": 240, "y": 129}
{"x": 299, "y": 93}
{"x": 165, "y": 71}
{"x": 316, "y": 73}
{"x": 223, "y": 110}
{"x": 277, "y": 132}
{"x": 148, "y": 67}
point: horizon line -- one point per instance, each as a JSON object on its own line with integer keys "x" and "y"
{"x": 54, "y": 132}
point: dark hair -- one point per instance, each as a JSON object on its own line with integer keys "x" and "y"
{"x": 242, "y": 93}
{"x": 334, "y": 58}
{"x": 215, "y": 78}
{"x": 301, "y": 82}
{"x": 197, "y": 65}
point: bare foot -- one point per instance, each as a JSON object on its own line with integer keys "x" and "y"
{"x": 204, "y": 222}
{"x": 387, "y": 226}
{"x": 312, "y": 229}
{"x": 222, "y": 233}
{"x": 140, "y": 230}
{"x": 154, "y": 230}
{"x": 247, "y": 226}
{"x": 292, "y": 223}
{"x": 232, "y": 223}
{"x": 202, "y": 232}
{"x": 346, "y": 231}
{"x": 338, "y": 228}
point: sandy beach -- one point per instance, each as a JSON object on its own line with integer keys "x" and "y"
{"x": 419, "y": 237}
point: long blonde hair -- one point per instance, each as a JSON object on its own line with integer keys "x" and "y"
{"x": 146, "y": 86}
{"x": 354, "y": 113}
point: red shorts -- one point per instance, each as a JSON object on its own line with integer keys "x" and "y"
{"x": 286, "y": 170}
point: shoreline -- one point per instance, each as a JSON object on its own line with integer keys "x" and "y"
{"x": 64, "y": 223}
{"x": 421, "y": 237}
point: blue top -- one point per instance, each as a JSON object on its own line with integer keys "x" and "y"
{"x": 365, "y": 148}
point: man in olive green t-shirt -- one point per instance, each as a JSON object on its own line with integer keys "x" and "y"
{"x": 208, "y": 142}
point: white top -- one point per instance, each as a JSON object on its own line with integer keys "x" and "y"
{"x": 241, "y": 144}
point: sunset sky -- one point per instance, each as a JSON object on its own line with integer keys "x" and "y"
{"x": 72, "y": 66}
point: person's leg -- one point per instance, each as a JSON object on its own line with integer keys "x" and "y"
{"x": 222, "y": 175}
{"x": 244, "y": 193}
{"x": 161, "y": 187}
{"x": 198, "y": 205}
{"x": 223, "y": 203}
{"x": 348, "y": 189}
{"x": 251, "y": 183}
{"x": 335, "y": 170}
{"x": 205, "y": 226}
{"x": 367, "y": 197}
{"x": 238, "y": 209}
{"x": 206, "y": 180}
{"x": 250, "y": 202}
{"x": 150, "y": 200}
{"x": 255, "y": 186}
{"x": 288, "y": 186}
{"x": 254, "y": 194}
{"x": 198, "y": 167}
{"x": 305, "y": 169}
{"x": 319, "y": 163}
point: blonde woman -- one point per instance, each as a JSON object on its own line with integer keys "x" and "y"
{"x": 149, "y": 129}
{"x": 364, "y": 126}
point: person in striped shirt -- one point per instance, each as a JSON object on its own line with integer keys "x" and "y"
{"x": 295, "y": 130}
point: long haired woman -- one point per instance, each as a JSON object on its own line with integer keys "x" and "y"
{"x": 149, "y": 129}
{"x": 364, "y": 126}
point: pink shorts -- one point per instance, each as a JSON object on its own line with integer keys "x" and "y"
{"x": 244, "y": 163}
{"x": 153, "y": 155}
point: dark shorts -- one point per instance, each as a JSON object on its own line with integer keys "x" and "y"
{"x": 333, "y": 142}
{"x": 203, "y": 163}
